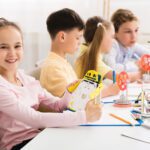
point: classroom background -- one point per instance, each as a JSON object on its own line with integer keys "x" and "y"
{"x": 31, "y": 16}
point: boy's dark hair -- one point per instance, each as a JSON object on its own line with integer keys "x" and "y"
{"x": 6, "y": 23}
{"x": 64, "y": 19}
{"x": 91, "y": 27}
{"x": 121, "y": 16}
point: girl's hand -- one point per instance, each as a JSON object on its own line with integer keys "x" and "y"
{"x": 93, "y": 111}
{"x": 113, "y": 89}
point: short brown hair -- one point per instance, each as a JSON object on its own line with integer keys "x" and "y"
{"x": 121, "y": 16}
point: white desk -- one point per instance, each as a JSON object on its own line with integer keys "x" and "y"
{"x": 89, "y": 138}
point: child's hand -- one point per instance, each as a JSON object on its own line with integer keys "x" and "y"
{"x": 113, "y": 89}
{"x": 134, "y": 76}
{"x": 93, "y": 111}
{"x": 138, "y": 63}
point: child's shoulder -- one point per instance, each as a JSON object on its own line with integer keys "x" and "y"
{"x": 115, "y": 44}
{"x": 83, "y": 47}
{"x": 24, "y": 77}
{"x": 54, "y": 61}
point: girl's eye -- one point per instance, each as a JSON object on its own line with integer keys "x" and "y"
{"x": 17, "y": 46}
{"x": 3, "y": 47}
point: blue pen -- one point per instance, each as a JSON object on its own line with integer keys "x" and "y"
{"x": 114, "y": 76}
{"x": 135, "y": 111}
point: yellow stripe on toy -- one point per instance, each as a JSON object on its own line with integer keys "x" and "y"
{"x": 72, "y": 87}
{"x": 96, "y": 93}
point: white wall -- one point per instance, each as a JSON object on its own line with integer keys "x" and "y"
{"x": 31, "y": 16}
{"x": 142, "y": 9}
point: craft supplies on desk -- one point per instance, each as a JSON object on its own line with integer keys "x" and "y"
{"x": 107, "y": 120}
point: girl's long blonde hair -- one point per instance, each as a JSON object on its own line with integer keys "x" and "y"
{"x": 88, "y": 60}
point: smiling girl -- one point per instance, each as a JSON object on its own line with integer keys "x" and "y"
{"x": 21, "y": 96}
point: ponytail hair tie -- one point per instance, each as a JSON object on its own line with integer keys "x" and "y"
{"x": 99, "y": 24}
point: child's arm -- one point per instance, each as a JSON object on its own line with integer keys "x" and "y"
{"x": 52, "y": 103}
{"x": 141, "y": 50}
{"x": 133, "y": 76}
{"x": 110, "y": 60}
{"x": 92, "y": 110}
{"x": 10, "y": 105}
{"x": 111, "y": 90}
{"x": 56, "y": 104}
{"x": 109, "y": 75}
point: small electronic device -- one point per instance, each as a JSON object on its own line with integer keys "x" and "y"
{"x": 87, "y": 89}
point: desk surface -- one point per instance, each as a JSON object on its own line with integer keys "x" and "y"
{"x": 89, "y": 138}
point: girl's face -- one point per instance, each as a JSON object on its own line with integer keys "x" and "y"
{"x": 107, "y": 41}
{"x": 127, "y": 33}
{"x": 11, "y": 48}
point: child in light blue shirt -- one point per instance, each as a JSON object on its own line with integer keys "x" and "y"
{"x": 126, "y": 51}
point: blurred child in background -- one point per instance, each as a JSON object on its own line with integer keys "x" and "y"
{"x": 126, "y": 51}
{"x": 98, "y": 36}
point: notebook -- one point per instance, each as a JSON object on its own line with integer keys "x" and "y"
{"x": 137, "y": 135}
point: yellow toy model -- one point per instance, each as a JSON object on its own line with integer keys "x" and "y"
{"x": 87, "y": 89}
